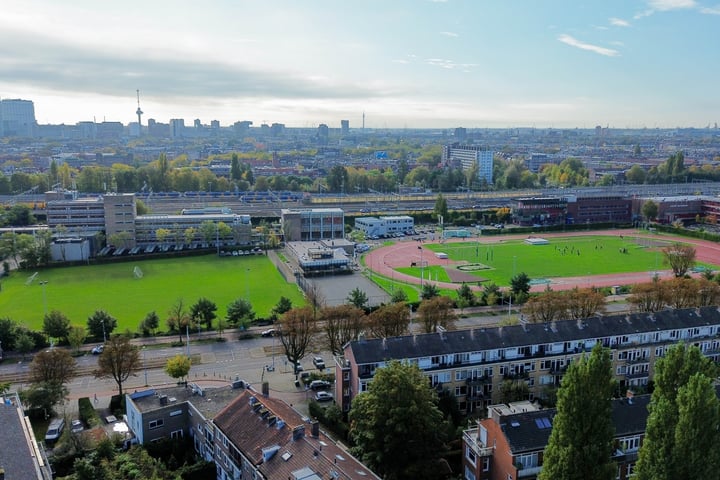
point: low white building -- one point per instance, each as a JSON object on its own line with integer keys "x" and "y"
{"x": 373, "y": 226}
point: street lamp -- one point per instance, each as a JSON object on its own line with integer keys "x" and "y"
{"x": 422, "y": 266}
{"x": 144, "y": 366}
{"x": 102, "y": 321}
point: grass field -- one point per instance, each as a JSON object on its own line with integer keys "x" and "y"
{"x": 562, "y": 257}
{"x": 79, "y": 291}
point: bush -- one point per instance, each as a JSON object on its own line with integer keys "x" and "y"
{"x": 87, "y": 412}
{"x": 117, "y": 405}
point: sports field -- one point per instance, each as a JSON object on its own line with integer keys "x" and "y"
{"x": 561, "y": 257}
{"x": 79, "y": 291}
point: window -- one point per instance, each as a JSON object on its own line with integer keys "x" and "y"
{"x": 156, "y": 423}
{"x": 529, "y": 460}
{"x": 470, "y": 455}
{"x": 176, "y": 434}
{"x": 486, "y": 464}
{"x": 630, "y": 444}
{"x": 469, "y": 474}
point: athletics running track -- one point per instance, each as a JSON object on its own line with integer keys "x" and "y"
{"x": 384, "y": 260}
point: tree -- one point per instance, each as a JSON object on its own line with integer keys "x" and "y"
{"x": 240, "y": 312}
{"x": 76, "y": 336}
{"x": 396, "y": 423}
{"x": 466, "y": 293}
{"x": 56, "y": 325}
{"x": 118, "y": 361}
{"x": 315, "y": 297}
{"x": 441, "y": 208}
{"x": 429, "y": 290}
{"x": 660, "y": 457}
{"x": 203, "y": 311}
{"x": 520, "y": 285}
{"x": 389, "y": 320}
{"x": 178, "y": 366}
{"x": 399, "y": 295}
{"x": 545, "y": 307}
{"x": 436, "y": 312}
{"x": 24, "y": 343}
{"x": 581, "y": 441}
{"x": 52, "y": 366}
{"x": 101, "y": 324}
{"x": 343, "y": 323}
{"x": 649, "y": 210}
{"x": 178, "y": 318}
{"x": 680, "y": 257}
{"x": 297, "y": 327}
{"x": 8, "y": 333}
{"x": 649, "y": 296}
{"x": 357, "y": 298}
{"x": 282, "y": 306}
{"x": 150, "y": 323}
{"x": 50, "y": 370}
{"x": 698, "y": 409}
{"x": 584, "y": 302}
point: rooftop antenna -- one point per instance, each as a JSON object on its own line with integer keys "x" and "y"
{"x": 139, "y": 112}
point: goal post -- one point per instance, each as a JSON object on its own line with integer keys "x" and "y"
{"x": 137, "y": 273}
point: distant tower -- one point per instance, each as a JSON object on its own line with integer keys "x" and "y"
{"x": 138, "y": 111}
{"x": 363, "y": 127}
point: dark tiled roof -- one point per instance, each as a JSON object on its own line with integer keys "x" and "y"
{"x": 414, "y": 346}
{"x": 524, "y": 435}
{"x": 16, "y": 457}
{"x": 250, "y": 433}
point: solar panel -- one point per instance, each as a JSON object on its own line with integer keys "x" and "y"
{"x": 546, "y": 422}
{"x": 539, "y": 423}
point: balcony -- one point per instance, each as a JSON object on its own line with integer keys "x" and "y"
{"x": 516, "y": 376}
{"x": 478, "y": 380}
{"x": 625, "y": 456}
{"x": 470, "y": 438}
{"x": 528, "y": 472}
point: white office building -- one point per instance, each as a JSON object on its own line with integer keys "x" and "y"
{"x": 468, "y": 156}
{"x": 383, "y": 226}
{"x": 17, "y": 118}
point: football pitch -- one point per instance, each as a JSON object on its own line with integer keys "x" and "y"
{"x": 128, "y": 294}
{"x": 561, "y": 257}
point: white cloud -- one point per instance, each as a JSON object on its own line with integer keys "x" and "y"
{"x": 665, "y": 5}
{"x": 711, "y": 10}
{"x": 449, "y": 64}
{"x": 573, "y": 42}
{"x": 450, "y": 34}
{"x": 619, "y": 22}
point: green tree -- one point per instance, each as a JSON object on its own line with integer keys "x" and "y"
{"x": 178, "y": 320}
{"x": 8, "y": 333}
{"x": 399, "y": 295}
{"x": 150, "y": 323}
{"x": 118, "y": 361}
{"x": 76, "y": 336}
{"x": 50, "y": 370}
{"x": 429, "y": 290}
{"x": 240, "y": 312}
{"x": 24, "y": 343}
{"x": 466, "y": 293}
{"x": 357, "y": 298}
{"x": 101, "y": 324}
{"x": 581, "y": 441}
{"x": 203, "y": 311}
{"x": 56, "y": 325}
{"x": 396, "y": 424}
{"x": 649, "y": 210}
{"x": 636, "y": 174}
{"x": 389, "y": 320}
{"x": 178, "y": 366}
{"x": 661, "y": 457}
{"x": 441, "y": 208}
{"x": 520, "y": 285}
{"x": 283, "y": 305}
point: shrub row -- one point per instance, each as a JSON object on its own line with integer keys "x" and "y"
{"x": 88, "y": 414}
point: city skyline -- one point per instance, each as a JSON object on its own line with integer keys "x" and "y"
{"x": 407, "y": 63}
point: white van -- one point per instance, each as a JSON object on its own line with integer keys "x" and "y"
{"x": 54, "y": 430}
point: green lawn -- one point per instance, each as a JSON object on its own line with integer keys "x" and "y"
{"x": 560, "y": 258}
{"x": 79, "y": 291}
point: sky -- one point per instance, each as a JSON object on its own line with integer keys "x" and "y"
{"x": 404, "y": 63}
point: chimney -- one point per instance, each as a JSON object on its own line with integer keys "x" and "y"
{"x": 315, "y": 429}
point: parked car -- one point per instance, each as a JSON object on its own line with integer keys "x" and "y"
{"x": 270, "y": 332}
{"x": 76, "y": 426}
{"x": 319, "y": 385}
{"x": 319, "y": 363}
{"x": 323, "y": 397}
{"x": 54, "y": 431}
{"x": 298, "y": 368}
{"x": 98, "y": 349}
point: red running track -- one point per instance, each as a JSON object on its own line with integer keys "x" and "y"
{"x": 385, "y": 260}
